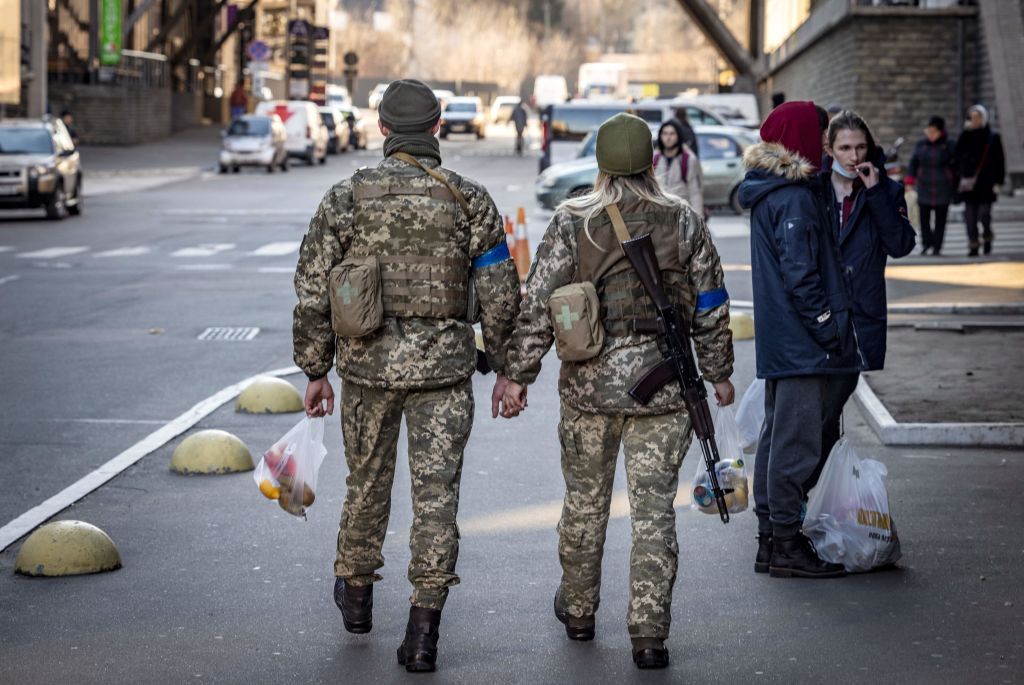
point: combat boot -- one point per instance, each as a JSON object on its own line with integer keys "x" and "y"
{"x": 356, "y": 604}
{"x": 795, "y": 557}
{"x": 649, "y": 652}
{"x": 764, "y": 553}
{"x": 418, "y": 651}
{"x": 581, "y": 629}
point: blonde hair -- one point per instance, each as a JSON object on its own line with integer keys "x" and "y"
{"x": 609, "y": 189}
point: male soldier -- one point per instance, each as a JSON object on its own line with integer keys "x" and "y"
{"x": 398, "y": 262}
{"x": 578, "y": 261}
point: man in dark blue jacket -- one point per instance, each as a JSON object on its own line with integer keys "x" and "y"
{"x": 802, "y": 324}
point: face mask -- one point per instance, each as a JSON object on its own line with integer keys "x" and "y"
{"x": 843, "y": 171}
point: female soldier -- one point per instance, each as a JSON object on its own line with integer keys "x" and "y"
{"x": 580, "y": 274}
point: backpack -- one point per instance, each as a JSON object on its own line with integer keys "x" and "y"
{"x": 684, "y": 162}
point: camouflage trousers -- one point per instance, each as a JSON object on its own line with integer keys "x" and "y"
{"x": 438, "y": 422}
{"x": 654, "y": 447}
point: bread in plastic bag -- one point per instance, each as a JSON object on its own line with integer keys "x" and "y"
{"x": 750, "y": 415}
{"x": 288, "y": 470}
{"x": 848, "y": 517}
{"x": 731, "y": 470}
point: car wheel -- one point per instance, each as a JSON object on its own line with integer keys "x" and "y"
{"x": 222, "y": 169}
{"x": 235, "y": 169}
{"x": 579, "y": 190}
{"x": 57, "y": 207}
{"x": 76, "y": 209}
{"x": 734, "y": 200}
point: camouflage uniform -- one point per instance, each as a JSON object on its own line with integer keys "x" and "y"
{"x": 416, "y": 366}
{"x": 598, "y": 415}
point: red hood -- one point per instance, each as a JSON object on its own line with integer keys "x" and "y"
{"x": 794, "y": 125}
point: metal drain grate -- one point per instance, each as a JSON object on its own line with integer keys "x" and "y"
{"x": 229, "y": 334}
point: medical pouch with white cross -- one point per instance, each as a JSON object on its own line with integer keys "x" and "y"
{"x": 357, "y": 308}
{"x": 575, "y": 315}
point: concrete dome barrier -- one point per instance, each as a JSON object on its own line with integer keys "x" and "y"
{"x": 742, "y": 325}
{"x": 67, "y": 548}
{"x": 269, "y": 395}
{"x": 211, "y": 452}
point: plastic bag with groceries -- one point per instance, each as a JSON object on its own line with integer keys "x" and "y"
{"x": 731, "y": 470}
{"x": 848, "y": 517}
{"x": 288, "y": 470}
{"x": 750, "y": 415}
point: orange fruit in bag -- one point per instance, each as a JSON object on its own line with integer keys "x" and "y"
{"x": 269, "y": 490}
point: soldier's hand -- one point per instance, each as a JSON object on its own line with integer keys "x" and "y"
{"x": 319, "y": 392}
{"x": 724, "y": 393}
{"x": 514, "y": 400}
{"x": 496, "y": 396}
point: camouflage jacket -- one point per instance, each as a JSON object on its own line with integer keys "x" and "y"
{"x": 601, "y": 384}
{"x": 405, "y": 352}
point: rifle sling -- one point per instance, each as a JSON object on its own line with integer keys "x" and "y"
{"x": 438, "y": 176}
{"x": 621, "y": 232}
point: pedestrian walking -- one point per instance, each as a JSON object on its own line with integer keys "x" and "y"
{"x": 581, "y": 264}
{"x": 688, "y": 137}
{"x": 933, "y": 172}
{"x": 802, "y": 328}
{"x": 979, "y": 152}
{"x": 868, "y": 217}
{"x": 69, "y": 123}
{"x": 238, "y": 101}
{"x": 519, "y": 118}
{"x": 398, "y": 263}
{"x": 677, "y": 168}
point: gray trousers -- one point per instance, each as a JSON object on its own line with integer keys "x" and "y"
{"x": 788, "y": 451}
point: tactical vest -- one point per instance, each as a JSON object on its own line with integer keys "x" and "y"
{"x": 625, "y": 306}
{"x": 409, "y": 222}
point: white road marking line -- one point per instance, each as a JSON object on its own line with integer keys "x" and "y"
{"x": 277, "y": 249}
{"x": 203, "y": 250}
{"x": 8, "y": 279}
{"x": 124, "y": 252}
{"x": 143, "y": 422}
{"x": 276, "y": 270}
{"x": 27, "y": 522}
{"x": 52, "y": 253}
{"x": 6, "y": 248}
{"x": 204, "y": 267}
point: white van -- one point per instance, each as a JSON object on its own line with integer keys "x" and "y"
{"x": 549, "y": 89}
{"x": 307, "y": 135}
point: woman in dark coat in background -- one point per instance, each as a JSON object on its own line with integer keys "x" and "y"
{"x": 980, "y": 155}
{"x": 934, "y": 173}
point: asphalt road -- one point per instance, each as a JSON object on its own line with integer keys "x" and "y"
{"x": 99, "y": 347}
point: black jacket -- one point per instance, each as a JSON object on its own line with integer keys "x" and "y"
{"x": 970, "y": 153}
{"x": 802, "y": 317}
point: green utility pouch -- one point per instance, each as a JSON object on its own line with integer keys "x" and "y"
{"x": 357, "y": 308}
{"x": 575, "y": 314}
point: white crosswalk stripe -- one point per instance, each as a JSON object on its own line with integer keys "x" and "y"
{"x": 125, "y": 252}
{"x": 203, "y": 250}
{"x": 53, "y": 252}
{"x": 277, "y": 249}
{"x": 6, "y": 248}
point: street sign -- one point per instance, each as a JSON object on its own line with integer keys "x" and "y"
{"x": 298, "y": 27}
{"x": 351, "y": 58}
{"x": 321, "y": 33}
{"x": 110, "y": 32}
{"x": 258, "y": 51}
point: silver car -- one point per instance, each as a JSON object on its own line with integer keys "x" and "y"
{"x": 254, "y": 140}
{"x": 721, "y": 161}
{"x": 39, "y": 167}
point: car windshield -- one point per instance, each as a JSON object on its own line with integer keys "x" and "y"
{"x": 328, "y": 118}
{"x": 460, "y": 107}
{"x": 589, "y": 146}
{"x": 250, "y": 127}
{"x": 651, "y": 116}
{"x": 25, "y": 140}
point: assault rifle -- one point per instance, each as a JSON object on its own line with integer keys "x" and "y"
{"x": 678, "y": 363}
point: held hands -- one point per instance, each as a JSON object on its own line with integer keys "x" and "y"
{"x": 513, "y": 398}
{"x": 871, "y": 179}
{"x": 318, "y": 392}
{"x": 724, "y": 393}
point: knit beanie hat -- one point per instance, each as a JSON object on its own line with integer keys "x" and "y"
{"x": 409, "y": 106}
{"x": 624, "y": 145}
{"x": 795, "y": 126}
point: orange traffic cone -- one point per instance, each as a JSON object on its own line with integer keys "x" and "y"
{"x": 522, "y": 245}
{"x": 510, "y": 236}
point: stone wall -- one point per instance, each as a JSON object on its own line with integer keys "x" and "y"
{"x": 115, "y": 115}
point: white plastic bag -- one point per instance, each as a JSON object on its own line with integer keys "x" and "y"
{"x": 732, "y": 474}
{"x": 288, "y": 470}
{"x": 848, "y": 517}
{"x": 750, "y": 415}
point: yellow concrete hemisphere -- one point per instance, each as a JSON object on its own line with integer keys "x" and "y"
{"x": 67, "y": 548}
{"x": 269, "y": 395}
{"x": 211, "y": 451}
{"x": 741, "y": 325}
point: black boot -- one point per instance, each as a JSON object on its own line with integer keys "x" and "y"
{"x": 649, "y": 652}
{"x": 356, "y": 604}
{"x": 764, "y": 553}
{"x": 973, "y": 251}
{"x": 418, "y": 651}
{"x": 581, "y": 629}
{"x": 795, "y": 557}
{"x": 986, "y": 247}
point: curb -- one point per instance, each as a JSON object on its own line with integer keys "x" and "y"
{"x": 891, "y": 432}
{"x": 948, "y": 308}
{"x": 149, "y": 171}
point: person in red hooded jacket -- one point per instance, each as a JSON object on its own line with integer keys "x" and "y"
{"x": 802, "y": 328}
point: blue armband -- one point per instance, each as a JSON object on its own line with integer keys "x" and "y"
{"x": 711, "y": 299}
{"x": 496, "y": 255}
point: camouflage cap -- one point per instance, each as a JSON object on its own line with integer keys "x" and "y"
{"x": 624, "y": 145}
{"x": 409, "y": 106}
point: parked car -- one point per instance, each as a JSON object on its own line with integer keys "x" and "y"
{"x": 463, "y": 115}
{"x": 337, "y": 129}
{"x": 254, "y": 140}
{"x": 357, "y": 126}
{"x": 721, "y": 161}
{"x": 443, "y": 96}
{"x": 337, "y": 96}
{"x": 307, "y": 134}
{"x": 502, "y": 107}
{"x": 574, "y": 120}
{"x": 39, "y": 167}
{"x": 376, "y": 94}
{"x": 660, "y": 111}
